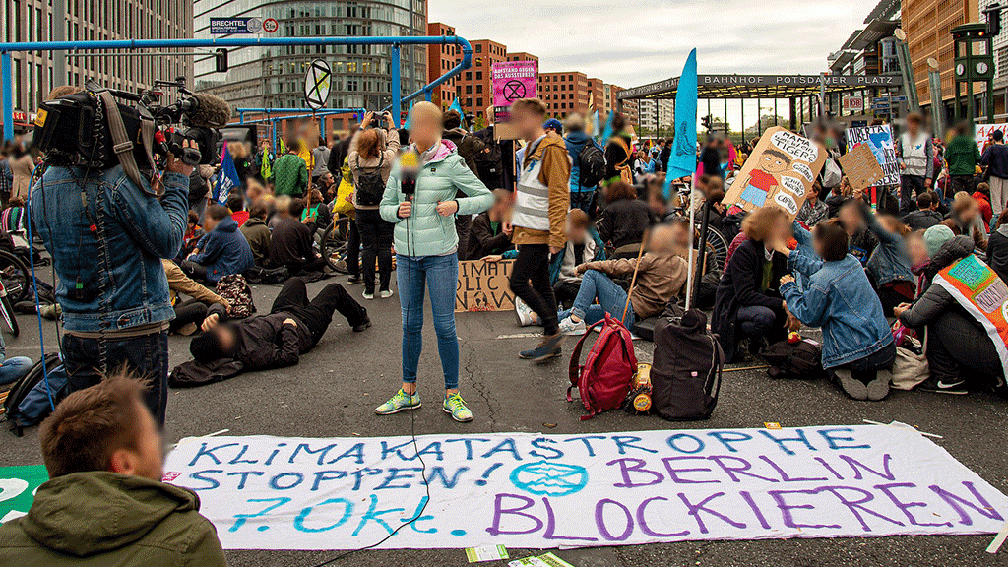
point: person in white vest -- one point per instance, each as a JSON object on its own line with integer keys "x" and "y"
{"x": 539, "y": 218}
{"x": 916, "y": 162}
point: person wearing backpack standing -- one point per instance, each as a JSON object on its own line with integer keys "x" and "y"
{"x": 587, "y": 165}
{"x": 469, "y": 147}
{"x": 618, "y": 153}
{"x": 370, "y": 157}
{"x": 539, "y": 219}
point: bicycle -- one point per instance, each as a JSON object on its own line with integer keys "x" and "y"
{"x": 15, "y": 283}
{"x": 334, "y": 241}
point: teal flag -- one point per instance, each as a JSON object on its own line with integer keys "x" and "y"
{"x": 682, "y": 158}
{"x": 456, "y": 106}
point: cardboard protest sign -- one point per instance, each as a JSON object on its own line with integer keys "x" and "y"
{"x": 880, "y": 141}
{"x": 983, "y": 132}
{"x": 861, "y": 167}
{"x": 534, "y": 490}
{"x": 484, "y": 286}
{"x": 780, "y": 171}
{"x": 512, "y": 80}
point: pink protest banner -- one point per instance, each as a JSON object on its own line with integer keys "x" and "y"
{"x": 512, "y": 80}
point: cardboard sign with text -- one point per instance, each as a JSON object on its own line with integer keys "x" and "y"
{"x": 983, "y": 132}
{"x": 484, "y": 286}
{"x": 780, "y": 171}
{"x": 879, "y": 140}
{"x": 512, "y": 80}
{"x": 861, "y": 167}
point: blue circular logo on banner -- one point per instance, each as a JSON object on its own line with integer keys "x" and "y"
{"x": 550, "y": 479}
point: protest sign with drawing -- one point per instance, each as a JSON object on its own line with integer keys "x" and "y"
{"x": 861, "y": 167}
{"x": 484, "y": 286}
{"x": 880, "y": 141}
{"x": 780, "y": 171}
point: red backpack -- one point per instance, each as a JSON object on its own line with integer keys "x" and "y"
{"x": 604, "y": 379}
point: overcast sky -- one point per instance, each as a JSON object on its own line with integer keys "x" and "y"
{"x": 630, "y": 43}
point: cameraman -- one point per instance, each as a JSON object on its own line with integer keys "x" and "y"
{"x": 106, "y": 237}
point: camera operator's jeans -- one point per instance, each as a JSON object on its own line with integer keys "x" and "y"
{"x": 144, "y": 356}
{"x": 440, "y": 273}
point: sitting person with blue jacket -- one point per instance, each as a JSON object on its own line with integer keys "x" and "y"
{"x": 583, "y": 246}
{"x": 858, "y": 345}
{"x": 222, "y": 251}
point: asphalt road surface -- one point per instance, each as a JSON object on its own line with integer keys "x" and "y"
{"x": 334, "y": 389}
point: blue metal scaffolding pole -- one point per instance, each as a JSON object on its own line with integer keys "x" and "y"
{"x": 396, "y": 41}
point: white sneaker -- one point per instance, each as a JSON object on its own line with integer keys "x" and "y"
{"x": 368, "y": 295}
{"x": 385, "y": 293}
{"x": 524, "y": 314}
{"x": 571, "y": 329}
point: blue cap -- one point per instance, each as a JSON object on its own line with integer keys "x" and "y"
{"x": 553, "y": 124}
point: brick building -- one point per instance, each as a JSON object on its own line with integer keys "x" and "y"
{"x": 440, "y": 59}
{"x": 564, "y": 92}
{"x": 475, "y": 86}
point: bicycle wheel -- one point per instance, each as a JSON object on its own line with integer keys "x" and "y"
{"x": 8, "y": 315}
{"x": 717, "y": 246}
{"x": 334, "y": 241}
{"x": 15, "y": 276}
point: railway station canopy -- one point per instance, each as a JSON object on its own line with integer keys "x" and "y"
{"x": 766, "y": 86}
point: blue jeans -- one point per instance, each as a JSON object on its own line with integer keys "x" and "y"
{"x": 14, "y": 368}
{"x": 755, "y": 320}
{"x": 441, "y": 276}
{"x": 611, "y": 299}
{"x": 145, "y": 357}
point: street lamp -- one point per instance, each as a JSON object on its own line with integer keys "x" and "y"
{"x": 937, "y": 106}
{"x": 906, "y": 69}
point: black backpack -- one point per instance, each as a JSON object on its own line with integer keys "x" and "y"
{"x": 370, "y": 185}
{"x": 801, "y": 360}
{"x": 592, "y": 165}
{"x": 23, "y": 387}
{"x": 687, "y": 368}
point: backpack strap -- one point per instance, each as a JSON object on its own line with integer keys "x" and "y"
{"x": 575, "y": 367}
{"x": 718, "y": 366}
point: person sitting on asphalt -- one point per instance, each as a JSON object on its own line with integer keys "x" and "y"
{"x": 624, "y": 219}
{"x": 236, "y": 205}
{"x": 189, "y": 313}
{"x": 924, "y": 217}
{"x": 661, "y": 275}
{"x": 490, "y": 234}
{"x": 960, "y": 348}
{"x": 222, "y": 251}
{"x": 582, "y": 247}
{"x": 836, "y": 296}
{"x": 966, "y": 214}
{"x": 291, "y": 245}
{"x": 293, "y": 327}
{"x": 104, "y": 502}
{"x": 748, "y": 304}
{"x": 256, "y": 233}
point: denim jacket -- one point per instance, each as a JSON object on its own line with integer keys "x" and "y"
{"x": 106, "y": 238}
{"x": 890, "y": 261}
{"x": 838, "y": 298}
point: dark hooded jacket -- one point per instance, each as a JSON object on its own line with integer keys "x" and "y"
{"x": 936, "y": 300}
{"x": 103, "y": 518}
{"x": 740, "y": 287}
{"x": 224, "y": 251}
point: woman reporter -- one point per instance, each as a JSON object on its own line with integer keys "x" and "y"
{"x": 427, "y": 249}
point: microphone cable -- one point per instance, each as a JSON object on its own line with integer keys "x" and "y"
{"x": 423, "y": 465}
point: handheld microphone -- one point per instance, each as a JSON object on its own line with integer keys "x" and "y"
{"x": 410, "y": 168}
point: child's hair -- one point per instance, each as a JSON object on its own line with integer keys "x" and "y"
{"x": 235, "y": 203}
{"x": 961, "y": 202}
{"x": 953, "y": 225}
{"x": 757, "y": 226}
{"x": 16, "y": 202}
{"x": 894, "y": 225}
{"x": 782, "y": 155}
{"x": 924, "y": 200}
{"x": 834, "y": 239}
{"x": 983, "y": 189}
{"x": 578, "y": 219}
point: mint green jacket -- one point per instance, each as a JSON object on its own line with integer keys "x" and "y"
{"x": 425, "y": 232}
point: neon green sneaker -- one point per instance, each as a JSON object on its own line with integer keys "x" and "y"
{"x": 399, "y": 402}
{"x": 455, "y": 405}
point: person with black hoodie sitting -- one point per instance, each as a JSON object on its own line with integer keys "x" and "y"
{"x": 924, "y": 217}
{"x": 624, "y": 219}
{"x": 293, "y": 327}
{"x": 291, "y": 243}
{"x": 965, "y": 349}
{"x": 490, "y": 234}
{"x": 748, "y": 303}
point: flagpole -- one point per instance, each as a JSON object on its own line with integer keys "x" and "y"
{"x": 689, "y": 252}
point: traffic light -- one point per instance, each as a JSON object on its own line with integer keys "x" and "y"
{"x": 222, "y": 60}
{"x": 993, "y": 14}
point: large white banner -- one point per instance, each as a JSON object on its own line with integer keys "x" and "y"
{"x": 543, "y": 491}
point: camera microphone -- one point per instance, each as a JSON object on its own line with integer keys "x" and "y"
{"x": 207, "y": 111}
{"x": 410, "y": 168}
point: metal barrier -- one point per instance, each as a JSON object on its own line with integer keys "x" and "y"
{"x": 395, "y": 41}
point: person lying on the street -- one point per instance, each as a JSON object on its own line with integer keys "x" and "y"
{"x": 661, "y": 275}
{"x": 293, "y": 327}
{"x": 104, "y": 502}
